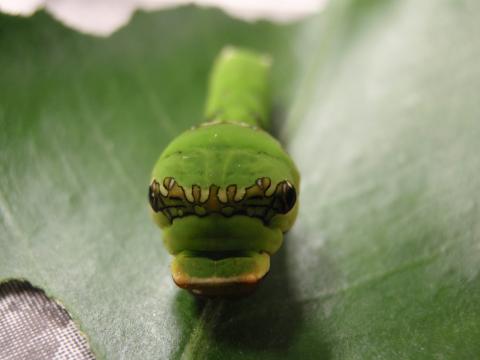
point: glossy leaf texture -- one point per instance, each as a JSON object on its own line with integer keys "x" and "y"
{"x": 377, "y": 101}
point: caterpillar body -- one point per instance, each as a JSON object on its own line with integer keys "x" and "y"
{"x": 224, "y": 192}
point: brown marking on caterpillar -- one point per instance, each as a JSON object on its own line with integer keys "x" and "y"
{"x": 231, "y": 191}
{"x": 254, "y": 200}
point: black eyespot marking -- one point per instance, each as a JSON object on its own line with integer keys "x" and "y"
{"x": 153, "y": 192}
{"x": 290, "y": 196}
{"x": 287, "y": 197}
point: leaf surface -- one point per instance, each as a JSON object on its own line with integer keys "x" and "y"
{"x": 377, "y": 101}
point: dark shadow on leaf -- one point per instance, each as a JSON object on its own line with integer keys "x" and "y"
{"x": 268, "y": 320}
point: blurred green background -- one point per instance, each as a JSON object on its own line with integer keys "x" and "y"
{"x": 378, "y": 103}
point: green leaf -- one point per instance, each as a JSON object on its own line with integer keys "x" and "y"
{"x": 377, "y": 101}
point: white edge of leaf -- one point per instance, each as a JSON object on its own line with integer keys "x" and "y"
{"x": 104, "y": 17}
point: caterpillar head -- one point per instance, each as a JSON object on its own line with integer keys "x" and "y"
{"x": 222, "y": 238}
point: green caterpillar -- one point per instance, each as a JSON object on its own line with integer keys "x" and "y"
{"x": 225, "y": 191}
